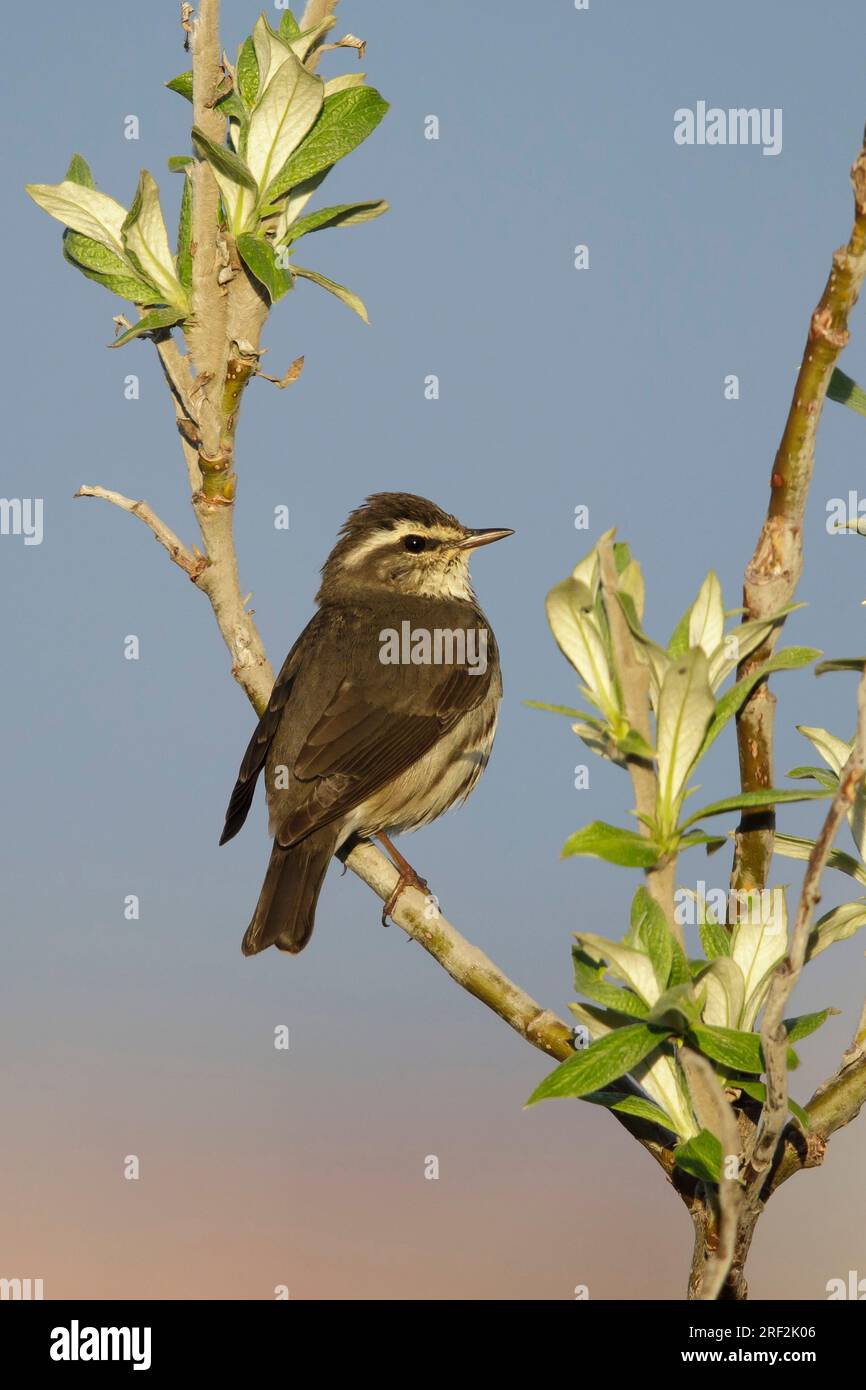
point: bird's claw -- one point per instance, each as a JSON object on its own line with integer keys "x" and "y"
{"x": 406, "y": 880}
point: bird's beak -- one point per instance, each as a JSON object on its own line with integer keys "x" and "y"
{"x": 484, "y": 536}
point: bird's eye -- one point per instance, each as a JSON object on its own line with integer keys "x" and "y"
{"x": 414, "y": 543}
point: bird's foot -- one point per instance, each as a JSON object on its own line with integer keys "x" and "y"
{"x": 408, "y": 879}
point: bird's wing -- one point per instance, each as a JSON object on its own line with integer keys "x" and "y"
{"x": 257, "y": 749}
{"x": 378, "y": 722}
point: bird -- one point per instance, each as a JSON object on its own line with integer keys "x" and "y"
{"x": 383, "y": 714}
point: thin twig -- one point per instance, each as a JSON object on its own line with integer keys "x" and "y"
{"x": 193, "y": 565}
{"x": 774, "y": 1040}
{"x": 178, "y": 375}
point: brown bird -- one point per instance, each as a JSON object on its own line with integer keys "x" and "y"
{"x": 383, "y": 714}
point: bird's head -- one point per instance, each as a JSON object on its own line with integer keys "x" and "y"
{"x": 401, "y": 544}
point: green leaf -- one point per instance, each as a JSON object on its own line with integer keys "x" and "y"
{"x": 715, "y": 940}
{"x": 707, "y": 616}
{"x": 840, "y": 663}
{"x": 289, "y": 27}
{"x": 734, "y": 1048}
{"x": 678, "y": 1008}
{"x": 345, "y": 120}
{"x": 759, "y": 941}
{"x": 236, "y": 183}
{"x": 577, "y": 633}
{"x": 83, "y": 209}
{"x": 248, "y": 73}
{"x": 649, "y": 928}
{"x": 184, "y": 236}
{"x": 631, "y": 966}
{"x": 845, "y": 390}
{"x": 800, "y": 1114}
{"x": 621, "y": 556}
{"x": 741, "y": 641}
{"x": 149, "y": 323}
{"x": 796, "y": 847}
{"x": 567, "y": 710}
{"x": 178, "y": 163}
{"x": 768, "y": 796}
{"x": 730, "y": 1046}
{"x": 307, "y": 40}
{"x": 345, "y": 80}
{"x": 712, "y": 842}
{"x": 231, "y": 105}
{"x": 343, "y": 215}
{"x": 145, "y": 242}
{"x": 283, "y": 115}
{"x": 597, "y": 1021}
{"x": 836, "y": 925}
{"x": 680, "y": 972}
{"x": 804, "y": 1024}
{"x": 724, "y": 991}
{"x": 679, "y": 643}
{"x": 816, "y": 774}
{"x": 223, "y": 160}
{"x": 588, "y": 981}
{"x": 603, "y": 1061}
{"x": 788, "y": 659}
{"x": 332, "y": 287}
{"x": 835, "y": 751}
{"x": 685, "y": 707}
{"x": 634, "y": 745}
{"x": 182, "y": 84}
{"x": 701, "y": 1157}
{"x": 632, "y": 1105}
{"x": 79, "y": 172}
{"x": 613, "y": 844}
{"x": 631, "y": 583}
{"x": 258, "y": 255}
{"x": 98, "y": 263}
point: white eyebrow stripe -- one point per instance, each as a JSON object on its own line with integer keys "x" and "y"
{"x": 386, "y": 535}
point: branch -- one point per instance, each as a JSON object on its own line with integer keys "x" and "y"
{"x": 192, "y": 564}
{"x": 206, "y": 331}
{"x": 774, "y": 570}
{"x": 774, "y": 1039}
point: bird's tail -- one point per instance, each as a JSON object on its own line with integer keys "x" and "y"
{"x": 286, "y": 910}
